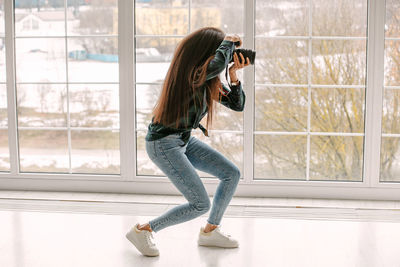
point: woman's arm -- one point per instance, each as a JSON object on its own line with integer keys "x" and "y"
{"x": 221, "y": 59}
{"x": 233, "y": 98}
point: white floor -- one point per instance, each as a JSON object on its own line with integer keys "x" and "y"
{"x": 57, "y": 229}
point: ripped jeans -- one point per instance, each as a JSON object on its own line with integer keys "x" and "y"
{"x": 178, "y": 162}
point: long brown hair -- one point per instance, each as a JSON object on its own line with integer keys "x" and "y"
{"x": 186, "y": 76}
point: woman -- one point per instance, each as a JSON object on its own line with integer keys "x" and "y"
{"x": 191, "y": 86}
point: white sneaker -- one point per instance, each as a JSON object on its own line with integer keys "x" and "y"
{"x": 142, "y": 241}
{"x": 216, "y": 238}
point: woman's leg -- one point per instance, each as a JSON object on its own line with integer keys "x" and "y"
{"x": 168, "y": 154}
{"x": 207, "y": 159}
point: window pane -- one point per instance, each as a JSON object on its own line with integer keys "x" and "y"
{"x": 165, "y": 17}
{"x": 3, "y": 106}
{"x": 391, "y": 111}
{"x": 95, "y": 152}
{"x": 40, "y": 60}
{"x": 281, "y": 17}
{"x": 337, "y": 110}
{"x": 93, "y": 59}
{"x": 281, "y": 61}
{"x": 390, "y": 159}
{"x": 2, "y": 60}
{"x": 392, "y": 63}
{"x": 336, "y": 158}
{"x": 92, "y": 17}
{"x": 392, "y": 26}
{"x": 153, "y": 56}
{"x": 42, "y": 105}
{"x": 280, "y": 109}
{"x": 228, "y": 15}
{"x": 39, "y": 18}
{"x": 39, "y": 154}
{"x": 146, "y": 97}
{"x": 4, "y": 151}
{"x": 280, "y": 156}
{"x": 339, "y": 18}
{"x": 2, "y": 26}
{"x": 339, "y": 62}
{"x": 94, "y": 105}
{"x": 390, "y": 145}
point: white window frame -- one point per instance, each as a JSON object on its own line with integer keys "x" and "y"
{"x": 368, "y": 188}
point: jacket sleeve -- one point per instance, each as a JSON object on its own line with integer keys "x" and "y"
{"x": 233, "y": 97}
{"x": 221, "y": 59}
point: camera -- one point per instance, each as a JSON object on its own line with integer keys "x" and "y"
{"x": 245, "y": 52}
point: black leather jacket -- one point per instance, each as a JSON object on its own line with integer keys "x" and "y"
{"x": 232, "y": 97}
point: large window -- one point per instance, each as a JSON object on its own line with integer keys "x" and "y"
{"x": 390, "y": 146}
{"x": 310, "y": 89}
{"x": 67, "y": 86}
{"x": 79, "y": 79}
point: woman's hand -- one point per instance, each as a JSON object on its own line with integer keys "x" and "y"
{"x": 234, "y": 38}
{"x": 237, "y": 65}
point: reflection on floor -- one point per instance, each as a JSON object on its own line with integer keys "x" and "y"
{"x": 72, "y": 233}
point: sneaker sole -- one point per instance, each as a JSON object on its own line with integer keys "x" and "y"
{"x": 133, "y": 240}
{"x": 200, "y": 243}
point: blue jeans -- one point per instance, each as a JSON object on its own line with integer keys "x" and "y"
{"x": 178, "y": 161}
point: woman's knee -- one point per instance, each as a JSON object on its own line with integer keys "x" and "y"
{"x": 203, "y": 205}
{"x": 234, "y": 174}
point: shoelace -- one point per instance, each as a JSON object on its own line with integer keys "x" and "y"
{"x": 222, "y": 233}
{"x": 149, "y": 237}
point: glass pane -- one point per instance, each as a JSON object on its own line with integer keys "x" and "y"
{"x": 40, "y": 18}
{"x": 228, "y": 15}
{"x": 336, "y": 158}
{"x": 92, "y": 17}
{"x": 153, "y": 57}
{"x": 2, "y": 20}
{"x": 42, "y": 105}
{"x": 165, "y": 17}
{"x": 95, "y": 152}
{"x": 93, "y": 59}
{"x": 144, "y": 164}
{"x": 280, "y": 109}
{"x": 280, "y": 17}
{"x": 38, "y": 154}
{"x": 146, "y": 97}
{"x": 392, "y": 26}
{"x": 40, "y": 59}
{"x": 391, "y": 111}
{"x": 390, "y": 159}
{"x": 339, "y": 62}
{"x": 280, "y": 157}
{"x": 3, "y": 106}
{"x": 339, "y": 18}
{"x": 228, "y": 144}
{"x": 224, "y": 119}
{"x": 337, "y": 110}
{"x": 281, "y": 61}
{"x": 94, "y": 105}
{"x": 4, "y": 152}
{"x": 392, "y": 63}
{"x": 2, "y": 60}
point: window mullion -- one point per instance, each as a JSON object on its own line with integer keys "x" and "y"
{"x": 249, "y": 81}
{"x": 11, "y": 95}
{"x": 126, "y": 88}
{"x": 374, "y": 101}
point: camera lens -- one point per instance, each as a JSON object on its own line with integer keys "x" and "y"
{"x": 246, "y": 53}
